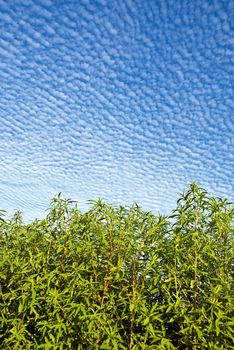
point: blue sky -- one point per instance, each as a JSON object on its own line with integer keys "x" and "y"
{"x": 125, "y": 100}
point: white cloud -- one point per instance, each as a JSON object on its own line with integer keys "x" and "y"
{"x": 128, "y": 103}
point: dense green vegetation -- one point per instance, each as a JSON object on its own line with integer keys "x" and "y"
{"x": 119, "y": 277}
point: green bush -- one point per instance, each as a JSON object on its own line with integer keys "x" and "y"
{"x": 119, "y": 277}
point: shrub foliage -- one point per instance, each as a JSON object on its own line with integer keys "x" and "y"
{"x": 119, "y": 277}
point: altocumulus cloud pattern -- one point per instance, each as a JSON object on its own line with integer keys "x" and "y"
{"x": 124, "y": 100}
